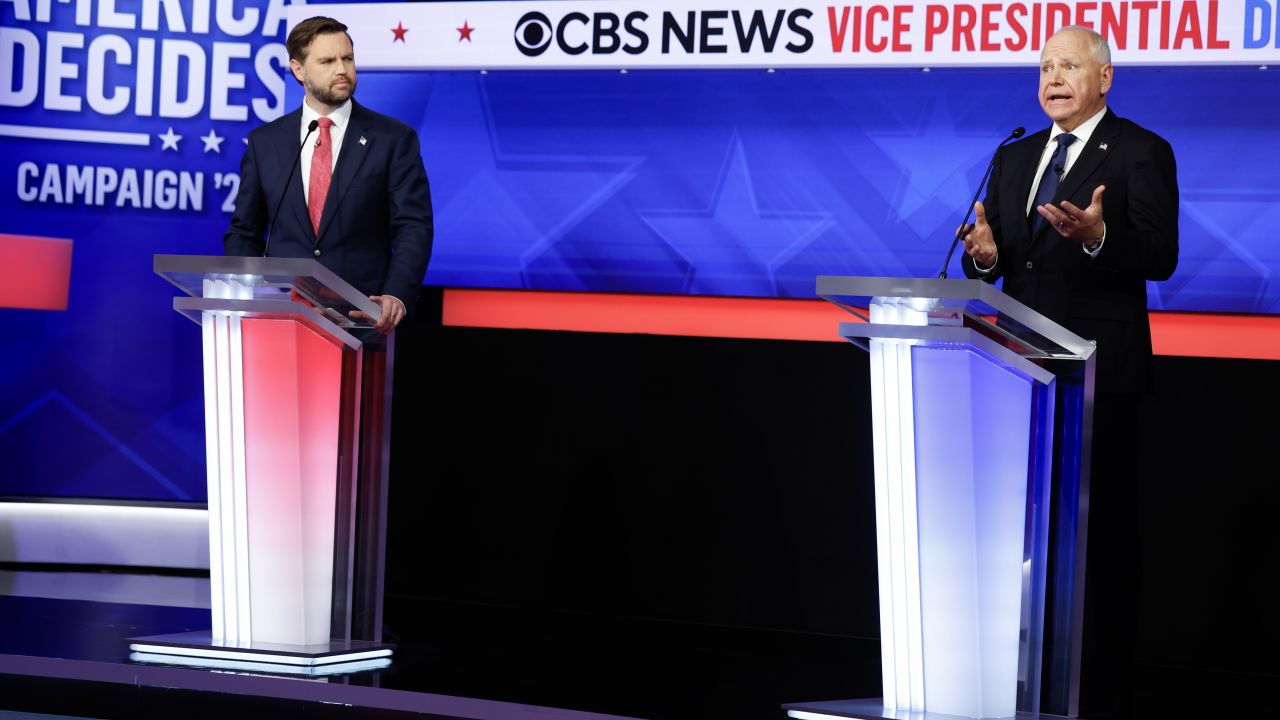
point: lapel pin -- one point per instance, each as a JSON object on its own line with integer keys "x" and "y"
{"x": 1103, "y": 146}
{"x": 363, "y": 141}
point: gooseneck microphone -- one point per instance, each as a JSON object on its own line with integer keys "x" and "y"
{"x": 285, "y": 191}
{"x": 1017, "y": 133}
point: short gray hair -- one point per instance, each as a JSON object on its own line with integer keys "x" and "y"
{"x": 1097, "y": 44}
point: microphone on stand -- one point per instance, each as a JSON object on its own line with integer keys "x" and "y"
{"x": 1017, "y": 133}
{"x": 285, "y": 192}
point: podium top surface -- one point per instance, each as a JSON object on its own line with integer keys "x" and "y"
{"x": 971, "y": 302}
{"x": 272, "y": 279}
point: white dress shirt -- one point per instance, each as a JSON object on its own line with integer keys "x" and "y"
{"x": 341, "y": 118}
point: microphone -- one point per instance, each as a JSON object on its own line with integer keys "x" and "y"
{"x": 285, "y": 192}
{"x": 1017, "y": 133}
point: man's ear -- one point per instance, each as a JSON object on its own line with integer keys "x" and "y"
{"x": 296, "y": 67}
{"x": 1106, "y": 78}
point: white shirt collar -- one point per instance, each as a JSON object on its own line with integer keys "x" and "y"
{"x": 1082, "y": 133}
{"x": 340, "y": 117}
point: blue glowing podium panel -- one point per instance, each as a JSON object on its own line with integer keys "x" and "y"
{"x": 964, "y": 382}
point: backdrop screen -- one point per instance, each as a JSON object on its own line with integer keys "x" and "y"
{"x": 121, "y": 132}
{"x": 751, "y": 183}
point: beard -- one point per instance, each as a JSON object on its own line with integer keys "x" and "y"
{"x": 330, "y": 95}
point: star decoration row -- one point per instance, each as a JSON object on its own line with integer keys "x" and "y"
{"x": 212, "y": 142}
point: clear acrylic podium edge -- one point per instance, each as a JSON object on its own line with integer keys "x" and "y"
{"x": 273, "y": 279}
{"x": 972, "y": 303}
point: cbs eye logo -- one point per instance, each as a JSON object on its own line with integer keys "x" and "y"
{"x": 534, "y": 34}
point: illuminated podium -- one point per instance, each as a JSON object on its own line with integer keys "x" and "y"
{"x": 981, "y": 421}
{"x": 297, "y": 418}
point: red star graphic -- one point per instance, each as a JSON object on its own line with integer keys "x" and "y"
{"x": 399, "y": 30}
{"x": 464, "y": 32}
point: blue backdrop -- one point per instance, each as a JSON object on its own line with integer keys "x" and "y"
{"x": 751, "y": 183}
{"x": 744, "y": 183}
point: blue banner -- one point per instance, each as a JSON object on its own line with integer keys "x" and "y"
{"x": 122, "y": 125}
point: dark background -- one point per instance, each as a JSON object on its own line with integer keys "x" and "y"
{"x": 683, "y": 527}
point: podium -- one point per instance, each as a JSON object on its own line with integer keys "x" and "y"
{"x": 981, "y": 421}
{"x": 297, "y": 418}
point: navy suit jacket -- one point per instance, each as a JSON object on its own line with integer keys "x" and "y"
{"x": 376, "y": 229}
{"x": 1102, "y": 298}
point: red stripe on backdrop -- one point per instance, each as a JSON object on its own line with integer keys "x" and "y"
{"x": 699, "y": 316}
{"x": 1186, "y": 334}
{"x": 35, "y": 272}
{"x": 1250, "y": 337}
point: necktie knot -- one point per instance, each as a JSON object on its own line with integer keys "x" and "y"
{"x": 325, "y": 123}
{"x": 1060, "y": 154}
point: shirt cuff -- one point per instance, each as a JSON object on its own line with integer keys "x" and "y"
{"x": 1097, "y": 246}
{"x": 986, "y": 270}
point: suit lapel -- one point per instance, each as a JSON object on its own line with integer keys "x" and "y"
{"x": 286, "y": 150}
{"x": 355, "y": 144}
{"x": 1026, "y": 179}
{"x": 1091, "y": 158}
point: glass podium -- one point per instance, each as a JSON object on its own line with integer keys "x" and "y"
{"x": 981, "y": 421}
{"x": 297, "y": 388}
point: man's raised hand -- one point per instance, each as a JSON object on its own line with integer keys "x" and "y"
{"x": 978, "y": 240}
{"x": 1083, "y": 226}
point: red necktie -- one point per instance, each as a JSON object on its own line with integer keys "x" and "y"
{"x": 321, "y": 173}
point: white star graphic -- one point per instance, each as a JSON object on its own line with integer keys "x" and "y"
{"x": 212, "y": 142}
{"x": 170, "y": 140}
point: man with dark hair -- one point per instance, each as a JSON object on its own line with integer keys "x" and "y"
{"x": 359, "y": 201}
{"x": 1077, "y": 219}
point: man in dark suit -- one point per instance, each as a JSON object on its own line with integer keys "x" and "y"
{"x": 358, "y": 202}
{"x": 1077, "y": 218}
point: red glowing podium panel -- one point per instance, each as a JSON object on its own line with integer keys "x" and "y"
{"x": 297, "y": 420}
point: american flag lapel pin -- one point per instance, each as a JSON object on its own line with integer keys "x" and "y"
{"x": 1103, "y": 146}
{"x": 364, "y": 142}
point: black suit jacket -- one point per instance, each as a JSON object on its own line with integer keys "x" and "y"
{"x": 1102, "y": 298}
{"x": 376, "y": 229}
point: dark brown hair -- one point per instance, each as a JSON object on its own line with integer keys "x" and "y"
{"x": 303, "y": 33}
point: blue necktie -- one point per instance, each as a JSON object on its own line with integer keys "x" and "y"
{"x": 1049, "y": 180}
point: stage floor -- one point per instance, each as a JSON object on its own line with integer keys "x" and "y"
{"x": 69, "y": 657}
{"x": 63, "y": 656}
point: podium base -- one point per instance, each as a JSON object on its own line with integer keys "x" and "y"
{"x": 199, "y": 649}
{"x": 867, "y": 709}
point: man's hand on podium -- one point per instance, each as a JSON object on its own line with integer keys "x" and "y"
{"x": 978, "y": 241}
{"x": 392, "y": 313}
